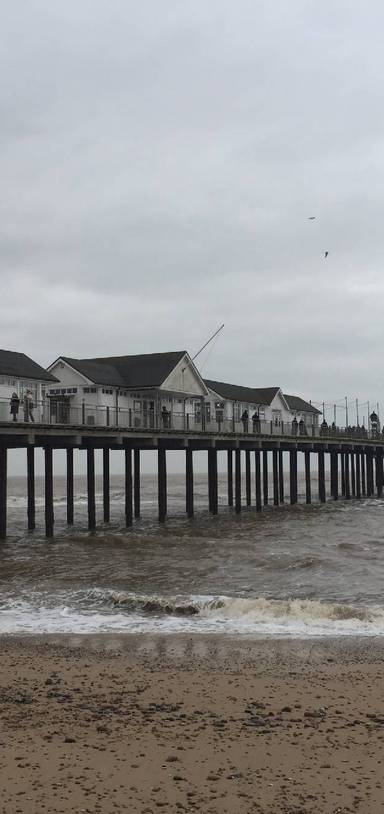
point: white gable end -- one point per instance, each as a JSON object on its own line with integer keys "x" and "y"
{"x": 67, "y": 375}
{"x": 185, "y": 379}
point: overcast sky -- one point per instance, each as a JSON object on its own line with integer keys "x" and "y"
{"x": 159, "y": 162}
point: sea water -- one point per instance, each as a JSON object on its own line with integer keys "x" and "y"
{"x": 285, "y": 572}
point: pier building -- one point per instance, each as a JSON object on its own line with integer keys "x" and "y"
{"x": 145, "y": 390}
{"x": 19, "y": 374}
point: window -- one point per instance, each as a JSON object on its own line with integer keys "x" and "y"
{"x": 107, "y": 391}
{"x": 236, "y": 412}
{"x": 137, "y": 406}
{"x": 89, "y": 390}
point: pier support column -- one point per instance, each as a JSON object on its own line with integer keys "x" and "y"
{"x": 70, "y": 499}
{"x": 293, "y": 476}
{"x": 136, "y": 482}
{"x": 258, "y": 480}
{"x": 275, "y": 470}
{"x": 379, "y": 472}
{"x": 248, "y": 476}
{"x": 369, "y": 465}
{"x": 342, "y": 462}
{"x": 307, "y": 466}
{"x": 230, "y": 476}
{"x": 358, "y": 479}
{"x": 212, "y": 480}
{"x": 237, "y": 480}
{"x": 189, "y": 481}
{"x": 128, "y": 486}
{"x": 346, "y": 475}
{"x": 91, "y": 488}
{"x": 353, "y": 475}
{"x": 48, "y": 489}
{"x": 3, "y": 492}
{"x": 334, "y": 475}
{"x": 363, "y": 475}
{"x": 265, "y": 477}
{"x": 31, "y": 487}
{"x": 162, "y": 483}
{"x": 281, "y": 476}
{"x": 321, "y": 476}
{"x": 106, "y": 486}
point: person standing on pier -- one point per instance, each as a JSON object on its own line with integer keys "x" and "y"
{"x": 256, "y": 422}
{"x": 15, "y": 404}
{"x": 28, "y": 407}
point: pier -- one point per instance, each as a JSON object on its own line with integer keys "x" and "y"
{"x": 335, "y": 467}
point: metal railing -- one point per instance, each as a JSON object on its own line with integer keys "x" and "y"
{"x": 52, "y": 413}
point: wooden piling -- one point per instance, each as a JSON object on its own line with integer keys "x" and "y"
{"x": 346, "y": 473}
{"x": 212, "y": 480}
{"x": 281, "y": 476}
{"x": 307, "y": 466}
{"x": 275, "y": 472}
{"x": 189, "y": 482}
{"x": 136, "y": 482}
{"x": 342, "y": 466}
{"x": 128, "y": 486}
{"x": 265, "y": 477}
{"x": 363, "y": 475}
{"x": 321, "y": 476}
{"x": 162, "y": 483}
{"x": 353, "y": 475}
{"x": 369, "y": 467}
{"x": 258, "y": 480}
{"x": 106, "y": 486}
{"x": 230, "y": 476}
{"x": 70, "y": 497}
{"x": 48, "y": 489}
{"x": 293, "y": 476}
{"x": 248, "y": 477}
{"x": 379, "y": 472}
{"x": 91, "y": 488}
{"x": 358, "y": 479}
{"x": 334, "y": 475}
{"x": 237, "y": 480}
{"x": 3, "y": 492}
{"x": 31, "y": 487}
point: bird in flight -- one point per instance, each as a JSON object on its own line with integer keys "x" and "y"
{"x": 313, "y": 217}
{"x": 326, "y": 254}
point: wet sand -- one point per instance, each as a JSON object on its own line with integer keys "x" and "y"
{"x": 180, "y": 724}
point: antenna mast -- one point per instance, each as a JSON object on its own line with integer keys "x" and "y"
{"x": 207, "y": 343}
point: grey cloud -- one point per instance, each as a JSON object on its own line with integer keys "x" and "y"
{"x": 159, "y": 163}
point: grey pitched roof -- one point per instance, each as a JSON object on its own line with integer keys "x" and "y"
{"x": 297, "y": 403}
{"x": 143, "y": 370}
{"x": 249, "y": 395}
{"x": 20, "y": 365}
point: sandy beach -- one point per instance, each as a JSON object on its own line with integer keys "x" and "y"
{"x": 177, "y": 724}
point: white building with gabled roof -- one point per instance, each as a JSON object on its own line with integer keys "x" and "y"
{"x": 275, "y": 410}
{"x": 133, "y": 391}
{"x": 19, "y": 374}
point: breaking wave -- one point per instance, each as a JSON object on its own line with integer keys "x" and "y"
{"x": 103, "y": 611}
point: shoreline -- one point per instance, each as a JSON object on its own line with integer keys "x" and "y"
{"x": 189, "y": 647}
{"x": 139, "y": 723}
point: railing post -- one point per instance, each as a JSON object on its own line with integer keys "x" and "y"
{"x": 83, "y": 413}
